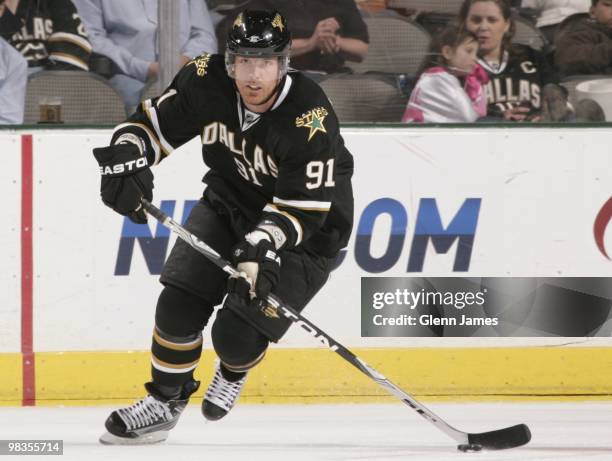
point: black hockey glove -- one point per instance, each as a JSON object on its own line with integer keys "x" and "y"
{"x": 126, "y": 178}
{"x": 261, "y": 264}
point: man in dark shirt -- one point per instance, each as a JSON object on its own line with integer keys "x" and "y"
{"x": 278, "y": 202}
{"x": 325, "y": 33}
{"x": 584, "y": 46}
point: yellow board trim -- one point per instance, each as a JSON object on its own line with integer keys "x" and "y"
{"x": 11, "y": 384}
{"x": 320, "y": 376}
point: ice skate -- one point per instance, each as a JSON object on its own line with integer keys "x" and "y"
{"x": 147, "y": 421}
{"x": 221, "y": 395}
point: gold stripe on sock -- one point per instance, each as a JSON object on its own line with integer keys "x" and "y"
{"x": 244, "y": 368}
{"x": 176, "y": 346}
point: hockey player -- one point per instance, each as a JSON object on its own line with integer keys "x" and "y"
{"x": 278, "y": 203}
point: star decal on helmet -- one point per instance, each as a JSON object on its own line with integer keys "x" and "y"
{"x": 278, "y": 22}
{"x": 239, "y": 21}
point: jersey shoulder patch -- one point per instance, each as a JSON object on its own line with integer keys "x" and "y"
{"x": 201, "y": 64}
{"x": 313, "y": 120}
{"x": 206, "y": 65}
{"x": 204, "y": 76}
{"x": 311, "y": 117}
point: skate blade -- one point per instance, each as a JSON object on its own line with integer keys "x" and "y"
{"x": 146, "y": 439}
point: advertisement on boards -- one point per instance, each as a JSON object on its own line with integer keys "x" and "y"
{"x": 425, "y": 207}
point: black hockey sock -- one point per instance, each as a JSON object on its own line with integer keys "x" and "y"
{"x": 231, "y": 376}
{"x": 173, "y": 359}
{"x": 168, "y": 392}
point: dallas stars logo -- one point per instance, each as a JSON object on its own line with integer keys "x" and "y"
{"x": 201, "y": 63}
{"x": 278, "y": 22}
{"x": 313, "y": 120}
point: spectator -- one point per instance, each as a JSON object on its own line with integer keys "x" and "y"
{"x": 48, "y": 33}
{"x": 13, "y": 81}
{"x": 325, "y": 34}
{"x": 585, "y": 47}
{"x": 550, "y": 13}
{"x": 449, "y": 89}
{"x": 215, "y": 16}
{"x": 517, "y": 72}
{"x": 126, "y": 32}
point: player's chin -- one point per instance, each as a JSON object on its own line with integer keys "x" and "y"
{"x": 249, "y": 91}
{"x": 256, "y": 98}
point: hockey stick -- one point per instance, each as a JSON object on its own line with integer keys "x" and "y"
{"x": 509, "y": 437}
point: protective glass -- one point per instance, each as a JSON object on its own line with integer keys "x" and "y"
{"x": 259, "y": 68}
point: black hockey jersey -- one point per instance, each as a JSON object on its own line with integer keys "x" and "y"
{"x": 47, "y": 32}
{"x": 288, "y": 165}
{"x": 519, "y": 80}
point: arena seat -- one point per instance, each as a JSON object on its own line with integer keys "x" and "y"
{"x": 570, "y": 83}
{"x": 86, "y": 97}
{"x": 397, "y": 46}
{"x": 528, "y": 34}
{"x": 438, "y": 6}
{"x": 364, "y": 98}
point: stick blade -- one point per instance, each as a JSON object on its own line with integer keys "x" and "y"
{"x": 501, "y": 439}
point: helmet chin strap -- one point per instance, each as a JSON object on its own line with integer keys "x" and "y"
{"x": 276, "y": 91}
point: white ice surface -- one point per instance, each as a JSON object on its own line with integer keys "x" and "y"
{"x": 561, "y": 432}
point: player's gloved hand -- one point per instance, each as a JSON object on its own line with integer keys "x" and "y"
{"x": 256, "y": 258}
{"x": 126, "y": 178}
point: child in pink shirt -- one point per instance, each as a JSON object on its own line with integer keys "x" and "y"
{"x": 449, "y": 89}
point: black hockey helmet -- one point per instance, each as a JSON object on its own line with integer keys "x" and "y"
{"x": 258, "y": 34}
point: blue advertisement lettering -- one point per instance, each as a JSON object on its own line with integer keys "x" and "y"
{"x": 154, "y": 248}
{"x": 428, "y": 227}
{"x": 363, "y": 240}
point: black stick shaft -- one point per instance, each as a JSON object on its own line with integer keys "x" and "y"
{"x": 297, "y": 318}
